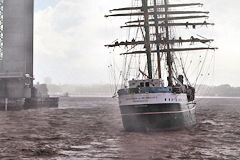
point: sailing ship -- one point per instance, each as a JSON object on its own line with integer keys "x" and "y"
{"x": 147, "y": 102}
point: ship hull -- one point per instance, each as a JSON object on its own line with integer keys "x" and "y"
{"x": 158, "y": 116}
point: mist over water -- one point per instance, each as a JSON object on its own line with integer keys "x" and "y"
{"x": 91, "y": 128}
{"x": 107, "y": 90}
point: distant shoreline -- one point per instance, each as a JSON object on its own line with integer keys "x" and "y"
{"x": 222, "y": 91}
{"x": 215, "y": 97}
{"x": 81, "y": 96}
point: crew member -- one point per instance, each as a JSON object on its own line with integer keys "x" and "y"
{"x": 180, "y": 40}
{"x": 187, "y": 23}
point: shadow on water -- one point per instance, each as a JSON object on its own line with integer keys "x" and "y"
{"x": 91, "y": 128}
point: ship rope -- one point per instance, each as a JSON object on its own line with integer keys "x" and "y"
{"x": 180, "y": 61}
{"x": 201, "y": 69}
{"x": 125, "y": 72}
{"x": 113, "y": 76}
{"x": 210, "y": 72}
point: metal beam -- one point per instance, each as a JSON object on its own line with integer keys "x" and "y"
{"x": 160, "y": 42}
{"x": 169, "y": 55}
{"x": 169, "y": 24}
{"x": 157, "y": 6}
{"x": 173, "y": 50}
{"x": 169, "y": 18}
{"x": 147, "y": 37}
{"x": 157, "y": 39}
{"x": 152, "y": 13}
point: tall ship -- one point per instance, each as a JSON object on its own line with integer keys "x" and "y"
{"x": 158, "y": 93}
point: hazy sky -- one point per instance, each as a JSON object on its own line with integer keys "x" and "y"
{"x": 70, "y": 37}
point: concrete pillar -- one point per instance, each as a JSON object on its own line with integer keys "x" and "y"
{"x": 17, "y": 59}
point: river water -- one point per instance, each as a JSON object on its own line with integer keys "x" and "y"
{"x": 91, "y": 128}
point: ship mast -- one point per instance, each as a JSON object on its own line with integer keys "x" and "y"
{"x": 169, "y": 56}
{"x": 156, "y": 16}
{"x": 157, "y": 39}
{"x": 147, "y": 37}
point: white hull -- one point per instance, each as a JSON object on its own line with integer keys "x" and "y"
{"x": 152, "y": 98}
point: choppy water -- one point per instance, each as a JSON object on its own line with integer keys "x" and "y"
{"x": 91, "y": 128}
